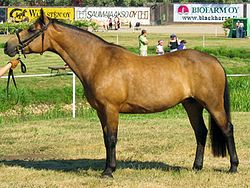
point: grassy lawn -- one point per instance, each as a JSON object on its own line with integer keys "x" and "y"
{"x": 150, "y": 152}
{"x": 50, "y": 97}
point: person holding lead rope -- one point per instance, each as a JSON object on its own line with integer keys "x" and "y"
{"x": 10, "y": 65}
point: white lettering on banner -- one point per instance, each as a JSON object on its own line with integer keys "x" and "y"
{"x": 215, "y": 10}
{"x": 126, "y": 14}
{"x": 206, "y": 12}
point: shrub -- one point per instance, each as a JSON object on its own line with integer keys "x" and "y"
{"x": 12, "y": 27}
{"x": 228, "y": 23}
{"x": 81, "y": 23}
{"x": 85, "y": 24}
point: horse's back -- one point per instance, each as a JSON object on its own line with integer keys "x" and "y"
{"x": 169, "y": 79}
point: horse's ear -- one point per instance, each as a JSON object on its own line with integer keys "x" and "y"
{"x": 43, "y": 18}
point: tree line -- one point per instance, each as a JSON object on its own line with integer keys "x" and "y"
{"x": 105, "y": 2}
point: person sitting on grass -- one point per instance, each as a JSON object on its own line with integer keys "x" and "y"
{"x": 182, "y": 46}
{"x": 160, "y": 48}
{"x": 173, "y": 43}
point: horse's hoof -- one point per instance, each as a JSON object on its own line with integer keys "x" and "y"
{"x": 197, "y": 167}
{"x": 233, "y": 170}
{"x": 106, "y": 175}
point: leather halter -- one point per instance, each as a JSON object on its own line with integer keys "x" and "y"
{"x": 26, "y": 42}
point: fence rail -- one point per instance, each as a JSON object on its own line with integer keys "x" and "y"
{"x": 70, "y": 73}
{"x": 74, "y": 83}
{"x": 238, "y": 75}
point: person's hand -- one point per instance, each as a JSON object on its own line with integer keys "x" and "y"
{"x": 14, "y": 63}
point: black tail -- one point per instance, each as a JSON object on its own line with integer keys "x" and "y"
{"x": 218, "y": 140}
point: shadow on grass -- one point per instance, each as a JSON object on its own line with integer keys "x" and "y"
{"x": 86, "y": 164}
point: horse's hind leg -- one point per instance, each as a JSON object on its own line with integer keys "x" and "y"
{"x": 222, "y": 137}
{"x": 194, "y": 111}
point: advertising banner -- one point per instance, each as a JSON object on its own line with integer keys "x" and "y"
{"x": 206, "y": 12}
{"x": 125, "y": 14}
{"x": 248, "y": 10}
{"x": 30, "y": 14}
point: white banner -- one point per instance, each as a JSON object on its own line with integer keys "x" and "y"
{"x": 248, "y": 10}
{"x": 125, "y": 14}
{"x": 206, "y": 12}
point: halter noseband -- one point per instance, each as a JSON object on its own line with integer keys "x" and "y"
{"x": 26, "y": 42}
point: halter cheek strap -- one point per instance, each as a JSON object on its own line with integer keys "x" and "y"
{"x": 26, "y": 42}
{"x": 21, "y": 45}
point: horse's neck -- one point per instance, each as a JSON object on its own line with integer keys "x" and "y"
{"x": 79, "y": 50}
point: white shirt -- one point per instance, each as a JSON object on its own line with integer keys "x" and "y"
{"x": 159, "y": 49}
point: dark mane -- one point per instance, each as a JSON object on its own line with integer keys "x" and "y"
{"x": 84, "y": 31}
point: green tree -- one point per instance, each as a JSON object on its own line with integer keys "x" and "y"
{"x": 62, "y": 2}
{"x": 104, "y": 3}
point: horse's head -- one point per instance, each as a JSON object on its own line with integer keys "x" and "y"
{"x": 31, "y": 40}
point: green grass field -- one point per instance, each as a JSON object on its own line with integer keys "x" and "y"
{"x": 50, "y": 97}
{"x": 41, "y": 146}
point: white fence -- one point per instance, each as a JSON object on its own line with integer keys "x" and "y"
{"x": 74, "y": 84}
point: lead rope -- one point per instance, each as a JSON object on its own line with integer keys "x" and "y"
{"x": 11, "y": 75}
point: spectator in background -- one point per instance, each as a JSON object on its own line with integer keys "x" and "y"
{"x": 116, "y": 22}
{"x": 173, "y": 43}
{"x": 160, "y": 48}
{"x": 241, "y": 30}
{"x": 110, "y": 23}
{"x": 119, "y": 23}
{"x": 104, "y": 25}
{"x": 182, "y": 46}
{"x": 143, "y": 43}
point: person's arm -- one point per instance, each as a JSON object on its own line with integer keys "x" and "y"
{"x": 143, "y": 40}
{"x": 178, "y": 41}
{"x": 11, "y": 64}
{"x": 4, "y": 69}
{"x": 169, "y": 44}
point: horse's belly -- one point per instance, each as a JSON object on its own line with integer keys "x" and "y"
{"x": 153, "y": 99}
{"x": 148, "y": 107}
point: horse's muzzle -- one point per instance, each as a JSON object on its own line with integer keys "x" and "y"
{"x": 10, "y": 50}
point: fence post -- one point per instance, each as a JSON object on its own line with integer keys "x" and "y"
{"x": 74, "y": 96}
{"x": 203, "y": 41}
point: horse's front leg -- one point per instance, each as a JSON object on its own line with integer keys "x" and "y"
{"x": 109, "y": 120}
